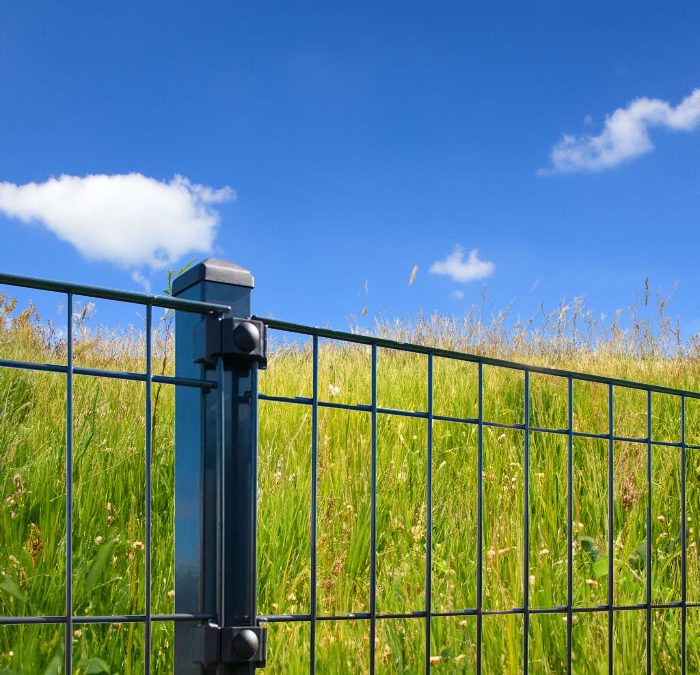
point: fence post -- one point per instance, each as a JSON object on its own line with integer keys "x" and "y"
{"x": 215, "y": 478}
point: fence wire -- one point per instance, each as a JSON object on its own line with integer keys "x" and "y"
{"x": 69, "y": 370}
{"x": 567, "y": 611}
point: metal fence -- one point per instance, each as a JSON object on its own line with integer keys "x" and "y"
{"x": 218, "y": 626}
{"x": 566, "y": 611}
{"x": 69, "y": 370}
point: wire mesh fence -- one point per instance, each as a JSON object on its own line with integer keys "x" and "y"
{"x": 48, "y": 564}
{"x": 418, "y": 509}
{"x": 502, "y": 517}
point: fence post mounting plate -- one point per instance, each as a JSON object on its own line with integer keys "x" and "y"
{"x": 213, "y": 645}
{"x": 236, "y": 340}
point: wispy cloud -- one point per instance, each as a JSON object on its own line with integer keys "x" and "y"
{"x": 458, "y": 269}
{"x": 128, "y": 219}
{"x": 625, "y": 134}
{"x": 457, "y": 294}
{"x": 142, "y": 280}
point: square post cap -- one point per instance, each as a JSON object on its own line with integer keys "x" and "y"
{"x": 218, "y": 271}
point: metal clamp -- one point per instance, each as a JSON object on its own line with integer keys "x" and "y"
{"x": 213, "y": 645}
{"x": 236, "y": 340}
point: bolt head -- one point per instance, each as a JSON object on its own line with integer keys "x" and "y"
{"x": 245, "y": 644}
{"x": 246, "y": 336}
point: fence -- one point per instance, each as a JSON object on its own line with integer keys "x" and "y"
{"x": 221, "y": 625}
{"x": 70, "y": 370}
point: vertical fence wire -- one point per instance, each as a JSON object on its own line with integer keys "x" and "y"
{"x": 373, "y": 523}
{"x": 69, "y": 488}
{"x": 569, "y": 523}
{"x": 149, "y": 463}
{"x": 684, "y": 550}
{"x": 611, "y": 524}
{"x": 479, "y": 519}
{"x": 429, "y": 520}
{"x": 648, "y": 538}
{"x": 526, "y": 533}
{"x": 253, "y": 508}
{"x": 220, "y": 493}
{"x": 314, "y": 507}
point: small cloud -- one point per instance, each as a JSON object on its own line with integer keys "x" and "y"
{"x": 141, "y": 280}
{"x": 458, "y": 269}
{"x": 535, "y": 285}
{"x": 457, "y": 294}
{"x": 130, "y": 220}
{"x": 625, "y": 135}
{"x": 412, "y": 278}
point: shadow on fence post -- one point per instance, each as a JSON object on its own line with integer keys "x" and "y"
{"x": 215, "y": 490}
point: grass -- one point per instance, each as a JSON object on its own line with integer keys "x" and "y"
{"x": 109, "y": 531}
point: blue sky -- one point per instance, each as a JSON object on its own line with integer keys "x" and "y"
{"x": 325, "y": 145}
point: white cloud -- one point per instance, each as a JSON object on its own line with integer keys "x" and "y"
{"x": 128, "y": 219}
{"x": 457, "y": 294}
{"x": 142, "y": 280}
{"x": 625, "y": 134}
{"x": 459, "y": 269}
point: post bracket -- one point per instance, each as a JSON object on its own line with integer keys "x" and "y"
{"x": 236, "y": 340}
{"x": 213, "y": 645}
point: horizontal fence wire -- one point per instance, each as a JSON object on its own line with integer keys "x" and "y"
{"x": 70, "y": 370}
{"x": 562, "y": 609}
{"x": 108, "y": 374}
{"x": 567, "y": 610}
{"x": 358, "y": 338}
{"x": 301, "y": 400}
{"x": 106, "y": 619}
{"x": 146, "y": 299}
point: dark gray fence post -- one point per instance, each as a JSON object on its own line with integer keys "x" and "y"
{"x": 216, "y": 475}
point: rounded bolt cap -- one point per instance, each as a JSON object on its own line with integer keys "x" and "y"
{"x": 245, "y": 644}
{"x": 246, "y": 336}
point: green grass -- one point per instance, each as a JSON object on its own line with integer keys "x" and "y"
{"x": 108, "y": 528}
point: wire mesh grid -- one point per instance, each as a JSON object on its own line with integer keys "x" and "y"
{"x": 69, "y": 370}
{"x": 616, "y": 609}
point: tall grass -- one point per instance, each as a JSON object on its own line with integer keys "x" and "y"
{"x": 108, "y": 528}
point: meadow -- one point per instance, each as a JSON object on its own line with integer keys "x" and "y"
{"x": 109, "y": 495}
